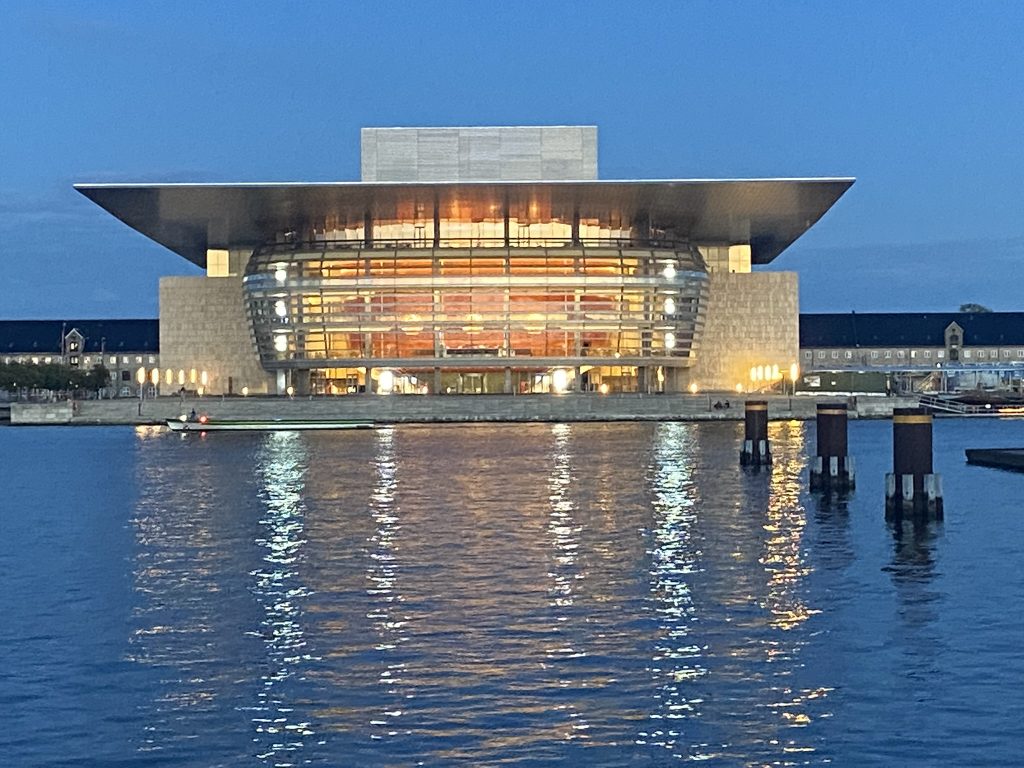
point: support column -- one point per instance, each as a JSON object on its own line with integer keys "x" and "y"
{"x": 437, "y": 382}
{"x": 369, "y": 387}
{"x": 508, "y": 381}
{"x": 282, "y": 382}
{"x": 756, "y": 450}
{"x": 301, "y": 379}
{"x": 912, "y": 486}
{"x": 832, "y": 468}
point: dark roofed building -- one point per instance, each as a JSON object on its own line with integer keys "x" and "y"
{"x": 98, "y": 336}
{"x": 123, "y": 347}
{"x": 911, "y": 339}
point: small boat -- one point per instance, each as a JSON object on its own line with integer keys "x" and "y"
{"x": 204, "y": 424}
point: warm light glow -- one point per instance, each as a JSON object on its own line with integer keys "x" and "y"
{"x": 290, "y": 390}
{"x": 201, "y": 391}
{"x": 670, "y": 340}
{"x": 169, "y": 378}
{"x": 794, "y": 372}
{"x": 753, "y": 373}
{"x": 385, "y": 382}
{"x": 204, "y": 379}
{"x": 280, "y": 273}
{"x": 670, "y": 306}
{"x": 154, "y": 376}
{"x": 140, "y": 375}
{"x": 603, "y": 389}
{"x": 669, "y": 272}
{"x": 560, "y": 379}
{"x": 280, "y": 309}
{"x": 281, "y": 343}
{"x": 760, "y": 373}
{"x": 694, "y": 388}
{"x": 739, "y": 387}
{"x": 193, "y": 375}
{"x": 181, "y": 377}
{"x": 775, "y": 372}
{"x": 245, "y": 391}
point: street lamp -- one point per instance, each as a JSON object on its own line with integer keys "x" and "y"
{"x": 140, "y": 376}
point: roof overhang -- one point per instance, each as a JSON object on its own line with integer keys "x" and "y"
{"x": 191, "y": 218}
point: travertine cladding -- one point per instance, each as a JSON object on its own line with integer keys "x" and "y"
{"x": 549, "y": 153}
{"x": 203, "y": 325}
{"x": 752, "y": 319}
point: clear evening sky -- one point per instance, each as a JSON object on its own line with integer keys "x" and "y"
{"x": 922, "y": 102}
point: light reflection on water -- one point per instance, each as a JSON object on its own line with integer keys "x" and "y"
{"x": 537, "y": 594}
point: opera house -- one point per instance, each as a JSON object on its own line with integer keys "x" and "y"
{"x": 476, "y": 260}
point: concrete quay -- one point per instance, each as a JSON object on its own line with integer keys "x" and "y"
{"x": 418, "y": 409}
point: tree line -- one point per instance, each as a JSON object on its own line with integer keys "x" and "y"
{"x": 54, "y": 377}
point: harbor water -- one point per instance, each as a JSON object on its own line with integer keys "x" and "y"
{"x": 529, "y": 595}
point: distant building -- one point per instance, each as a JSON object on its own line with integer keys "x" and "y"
{"x": 929, "y": 350}
{"x": 123, "y": 347}
{"x": 477, "y": 260}
{"x": 902, "y": 340}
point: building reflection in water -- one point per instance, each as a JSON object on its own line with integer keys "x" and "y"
{"x": 786, "y": 567}
{"x": 175, "y": 574}
{"x": 564, "y": 572}
{"x": 385, "y": 607}
{"x": 675, "y": 557}
{"x": 281, "y": 465}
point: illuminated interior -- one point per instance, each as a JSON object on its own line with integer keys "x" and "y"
{"x": 475, "y": 303}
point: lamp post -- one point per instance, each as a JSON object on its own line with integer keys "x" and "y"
{"x": 140, "y": 376}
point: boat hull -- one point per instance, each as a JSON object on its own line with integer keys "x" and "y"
{"x": 257, "y": 425}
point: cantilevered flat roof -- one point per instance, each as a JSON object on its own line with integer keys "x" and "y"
{"x": 190, "y": 218}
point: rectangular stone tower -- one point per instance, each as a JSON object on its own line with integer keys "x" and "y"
{"x": 519, "y": 153}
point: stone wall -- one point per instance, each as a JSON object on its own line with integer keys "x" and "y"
{"x": 203, "y": 326}
{"x": 752, "y": 319}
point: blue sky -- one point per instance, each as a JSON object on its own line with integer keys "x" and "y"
{"x": 922, "y": 102}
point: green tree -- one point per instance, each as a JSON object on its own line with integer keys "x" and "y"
{"x": 974, "y": 308}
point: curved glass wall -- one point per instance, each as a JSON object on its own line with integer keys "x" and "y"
{"x": 331, "y": 305}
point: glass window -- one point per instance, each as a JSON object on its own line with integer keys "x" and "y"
{"x": 835, "y": 354}
{"x": 967, "y": 354}
{"x": 874, "y": 354}
{"x": 901, "y": 354}
{"x": 927, "y": 353}
{"x": 821, "y": 354}
{"x": 888, "y": 354}
{"x": 940, "y": 354}
{"x": 113, "y": 361}
{"x": 849, "y": 355}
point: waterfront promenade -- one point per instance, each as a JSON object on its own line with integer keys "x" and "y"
{"x": 399, "y": 409}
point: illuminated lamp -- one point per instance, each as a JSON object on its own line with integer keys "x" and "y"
{"x": 385, "y": 382}
{"x": 694, "y": 388}
{"x": 280, "y": 309}
{"x": 560, "y": 379}
{"x": 670, "y": 306}
{"x": 281, "y": 343}
{"x": 670, "y": 340}
{"x": 669, "y": 272}
{"x": 140, "y": 375}
{"x": 154, "y": 376}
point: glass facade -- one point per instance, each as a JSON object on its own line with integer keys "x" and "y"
{"x": 483, "y": 306}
